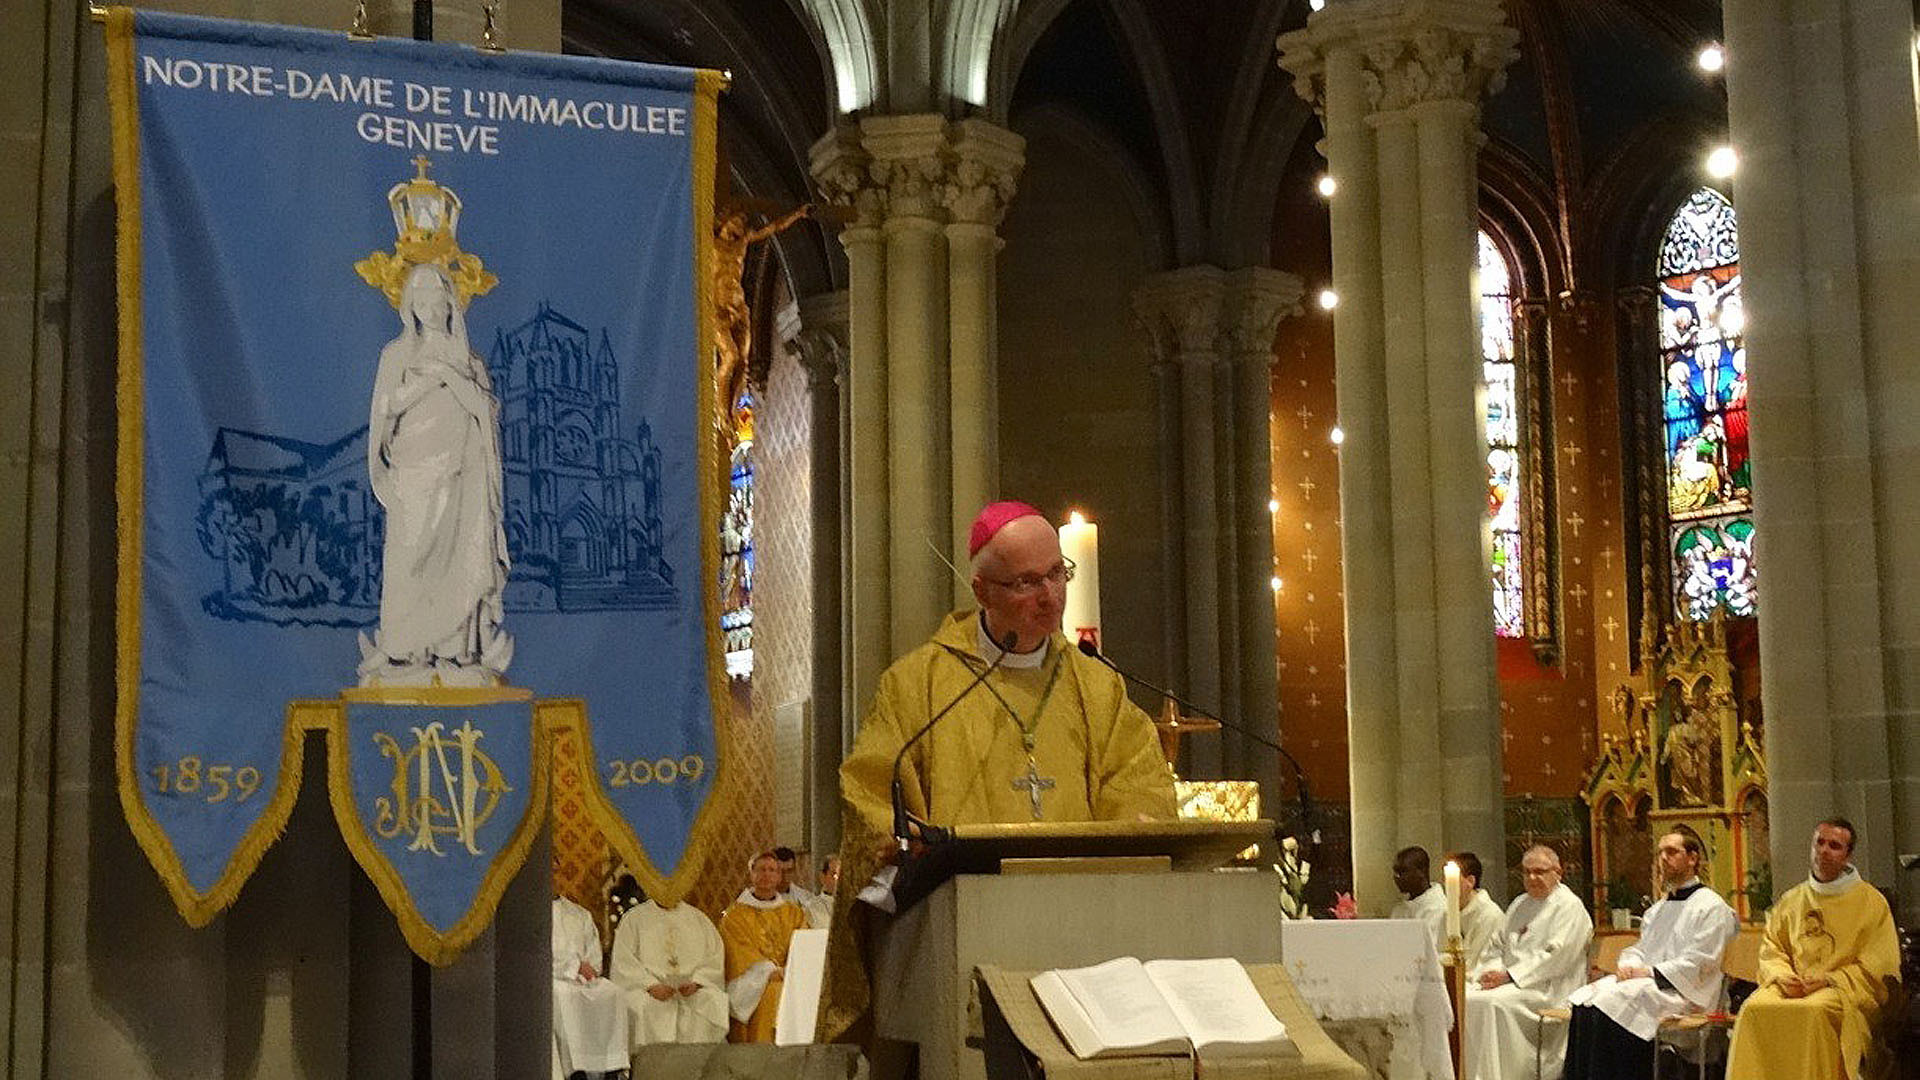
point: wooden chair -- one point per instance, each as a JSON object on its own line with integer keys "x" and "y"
{"x": 1603, "y": 959}
{"x": 1703, "y": 1037}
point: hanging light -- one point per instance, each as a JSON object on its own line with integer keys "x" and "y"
{"x": 1273, "y": 506}
{"x": 1329, "y": 299}
{"x": 1326, "y": 185}
{"x": 1722, "y": 162}
{"x": 1336, "y": 436}
{"x": 1712, "y": 58}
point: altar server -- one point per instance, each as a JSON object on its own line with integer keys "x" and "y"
{"x": 757, "y": 928}
{"x": 1674, "y": 969}
{"x": 1480, "y": 917}
{"x": 669, "y": 961}
{"x": 1828, "y": 964}
{"x": 1539, "y": 957}
{"x": 1425, "y": 899}
{"x": 589, "y": 1016}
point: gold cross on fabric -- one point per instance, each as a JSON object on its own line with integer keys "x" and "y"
{"x": 1033, "y": 784}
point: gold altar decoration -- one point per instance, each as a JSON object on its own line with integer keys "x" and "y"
{"x": 1687, "y": 762}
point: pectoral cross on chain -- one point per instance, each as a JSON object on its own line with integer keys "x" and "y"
{"x": 1033, "y": 783}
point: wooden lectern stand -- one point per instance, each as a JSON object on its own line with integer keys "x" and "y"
{"x": 1045, "y": 895}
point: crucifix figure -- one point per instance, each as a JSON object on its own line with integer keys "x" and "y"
{"x": 1033, "y": 783}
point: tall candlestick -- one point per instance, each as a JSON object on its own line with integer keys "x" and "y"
{"x": 1452, "y": 876}
{"x": 1080, "y": 543}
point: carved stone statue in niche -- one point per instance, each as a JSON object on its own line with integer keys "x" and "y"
{"x": 1689, "y": 749}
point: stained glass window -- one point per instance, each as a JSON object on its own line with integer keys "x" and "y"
{"x": 1503, "y": 440}
{"x": 1703, "y": 381}
{"x": 736, "y": 547}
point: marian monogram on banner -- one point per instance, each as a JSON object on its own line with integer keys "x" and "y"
{"x": 444, "y": 785}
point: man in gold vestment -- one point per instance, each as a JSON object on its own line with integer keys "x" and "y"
{"x": 1051, "y": 736}
{"x": 756, "y": 929}
{"x": 1828, "y": 964}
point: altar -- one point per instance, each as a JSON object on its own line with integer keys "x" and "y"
{"x": 1376, "y": 986}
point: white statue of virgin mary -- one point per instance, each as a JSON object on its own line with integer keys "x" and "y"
{"x": 433, "y": 455}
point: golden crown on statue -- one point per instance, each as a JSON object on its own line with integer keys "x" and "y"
{"x": 426, "y": 221}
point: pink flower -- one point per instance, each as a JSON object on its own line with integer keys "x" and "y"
{"x": 1344, "y": 907}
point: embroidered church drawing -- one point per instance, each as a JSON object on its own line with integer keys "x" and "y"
{"x": 297, "y": 535}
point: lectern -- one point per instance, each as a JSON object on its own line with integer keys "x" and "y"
{"x": 1032, "y": 896}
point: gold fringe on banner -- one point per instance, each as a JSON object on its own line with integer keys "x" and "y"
{"x": 670, "y": 888}
{"x": 196, "y": 907}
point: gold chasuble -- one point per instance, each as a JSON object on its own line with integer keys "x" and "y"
{"x": 754, "y": 935}
{"x": 1073, "y": 748}
{"x": 1847, "y": 937}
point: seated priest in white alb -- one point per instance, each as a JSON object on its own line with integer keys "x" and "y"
{"x": 589, "y": 1017}
{"x": 1674, "y": 969}
{"x": 1480, "y": 917}
{"x": 668, "y": 960}
{"x": 1425, "y": 899}
{"x": 820, "y": 908}
{"x": 1539, "y": 957}
{"x": 757, "y": 928}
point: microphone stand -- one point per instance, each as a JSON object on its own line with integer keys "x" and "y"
{"x": 906, "y": 827}
{"x": 1299, "y": 774}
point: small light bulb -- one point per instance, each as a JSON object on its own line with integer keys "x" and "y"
{"x": 1337, "y": 436}
{"x": 1329, "y": 299}
{"x": 1722, "y": 162}
{"x": 1275, "y": 583}
{"x": 1316, "y": 4}
{"x": 1712, "y": 58}
{"x": 1326, "y": 186}
{"x": 1273, "y": 506}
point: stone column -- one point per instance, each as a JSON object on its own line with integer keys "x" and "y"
{"x": 980, "y": 184}
{"x": 1179, "y": 311}
{"x": 1399, "y": 84}
{"x": 1257, "y": 298}
{"x": 907, "y": 157}
{"x": 821, "y": 348}
{"x": 841, "y": 166}
{"x": 1822, "y": 114}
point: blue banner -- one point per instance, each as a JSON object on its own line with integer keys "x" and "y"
{"x": 415, "y": 395}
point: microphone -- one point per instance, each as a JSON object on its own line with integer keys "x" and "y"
{"x": 1299, "y": 774}
{"x": 904, "y": 822}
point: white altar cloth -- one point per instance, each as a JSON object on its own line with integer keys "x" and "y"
{"x": 1376, "y": 969}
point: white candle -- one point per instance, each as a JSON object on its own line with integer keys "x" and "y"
{"x": 1452, "y": 874}
{"x": 1080, "y": 543}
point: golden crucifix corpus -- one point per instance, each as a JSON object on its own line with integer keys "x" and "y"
{"x": 732, "y": 236}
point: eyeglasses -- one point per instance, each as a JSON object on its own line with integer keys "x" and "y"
{"x": 1028, "y": 584}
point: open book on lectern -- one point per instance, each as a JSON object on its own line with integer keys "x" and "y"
{"x": 1125, "y": 1008}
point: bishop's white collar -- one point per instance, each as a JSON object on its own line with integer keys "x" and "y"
{"x": 988, "y": 650}
{"x": 1848, "y": 879}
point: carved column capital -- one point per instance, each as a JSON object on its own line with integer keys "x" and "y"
{"x": 984, "y": 173}
{"x": 842, "y": 169}
{"x": 819, "y": 340}
{"x": 1178, "y": 312}
{"x": 1411, "y": 51}
{"x": 909, "y": 159}
{"x": 1255, "y": 299}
